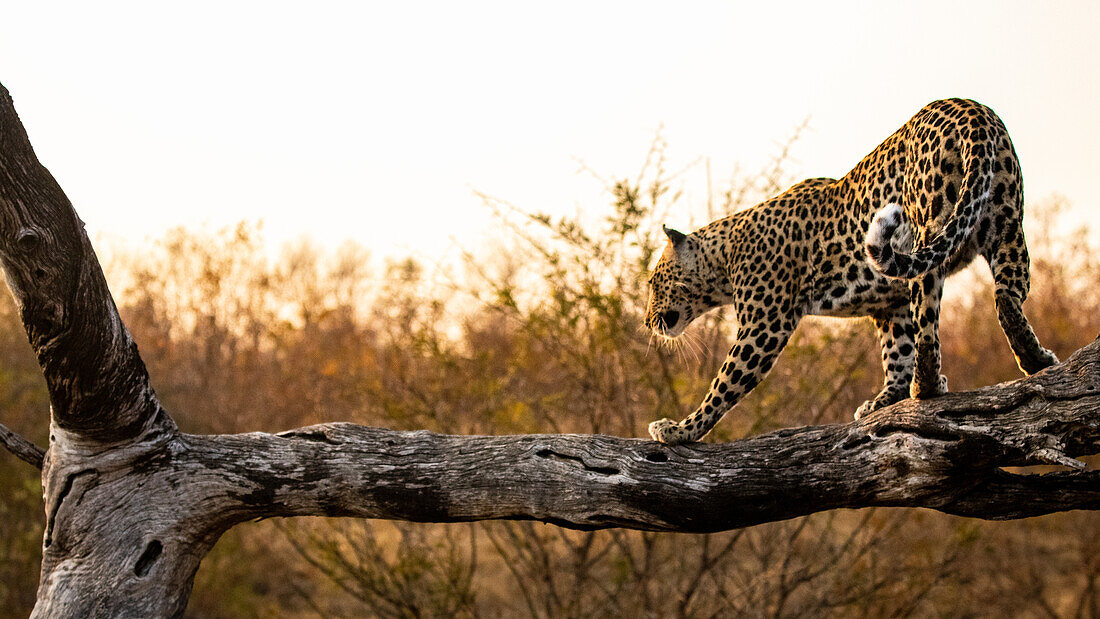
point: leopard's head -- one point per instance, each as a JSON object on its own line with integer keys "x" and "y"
{"x": 677, "y": 286}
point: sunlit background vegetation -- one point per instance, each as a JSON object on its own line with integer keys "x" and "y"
{"x": 539, "y": 330}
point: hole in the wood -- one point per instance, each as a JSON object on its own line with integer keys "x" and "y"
{"x": 858, "y": 441}
{"x": 148, "y": 558}
{"x": 656, "y": 456}
{"x": 27, "y": 239}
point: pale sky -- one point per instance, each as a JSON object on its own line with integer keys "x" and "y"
{"x": 376, "y": 121}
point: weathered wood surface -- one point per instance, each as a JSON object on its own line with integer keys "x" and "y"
{"x": 133, "y": 505}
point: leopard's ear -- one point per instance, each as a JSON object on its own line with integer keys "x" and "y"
{"x": 675, "y": 236}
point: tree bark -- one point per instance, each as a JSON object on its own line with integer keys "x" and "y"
{"x": 133, "y": 504}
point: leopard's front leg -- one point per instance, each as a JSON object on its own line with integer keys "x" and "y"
{"x": 759, "y": 342}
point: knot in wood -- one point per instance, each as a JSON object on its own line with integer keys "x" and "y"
{"x": 28, "y": 239}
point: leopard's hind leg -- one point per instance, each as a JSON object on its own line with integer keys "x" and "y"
{"x": 1012, "y": 280}
{"x": 925, "y": 294}
{"x": 896, "y": 332}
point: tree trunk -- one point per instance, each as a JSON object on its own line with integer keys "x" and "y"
{"x": 133, "y": 504}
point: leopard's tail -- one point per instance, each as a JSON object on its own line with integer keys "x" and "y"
{"x": 891, "y": 233}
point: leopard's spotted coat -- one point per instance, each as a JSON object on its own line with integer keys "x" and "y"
{"x": 942, "y": 190}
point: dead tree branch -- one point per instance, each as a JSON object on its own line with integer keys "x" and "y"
{"x": 21, "y": 448}
{"x": 133, "y": 505}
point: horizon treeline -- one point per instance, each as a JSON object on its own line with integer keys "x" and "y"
{"x": 541, "y": 331}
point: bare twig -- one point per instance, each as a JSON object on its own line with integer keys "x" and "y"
{"x": 22, "y": 448}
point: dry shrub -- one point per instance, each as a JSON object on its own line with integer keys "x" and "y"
{"x": 545, "y": 335}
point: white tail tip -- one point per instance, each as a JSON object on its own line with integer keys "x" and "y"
{"x": 883, "y": 225}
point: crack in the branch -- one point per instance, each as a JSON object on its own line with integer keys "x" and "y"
{"x": 602, "y": 470}
{"x": 561, "y": 522}
{"x": 607, "y": 520}
{"x": 926, "y": 431}
{"x": 315, "y": 435}
{"x": 861, "y": 435}
{"x": 51, "y": 518}
{"x": 855, "y": 440}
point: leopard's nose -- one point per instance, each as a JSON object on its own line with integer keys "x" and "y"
{"x": 668, "y": 319}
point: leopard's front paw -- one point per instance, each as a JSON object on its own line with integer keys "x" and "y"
{"x": 865, "y": 408}
{"x": 668, "y": 432}
{"x": 886, "y": 397}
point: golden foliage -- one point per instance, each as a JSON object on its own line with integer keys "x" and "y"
{"x": 545, "y": 335}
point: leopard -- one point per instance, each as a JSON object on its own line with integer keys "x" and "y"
{"x": 942, "y": 190}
